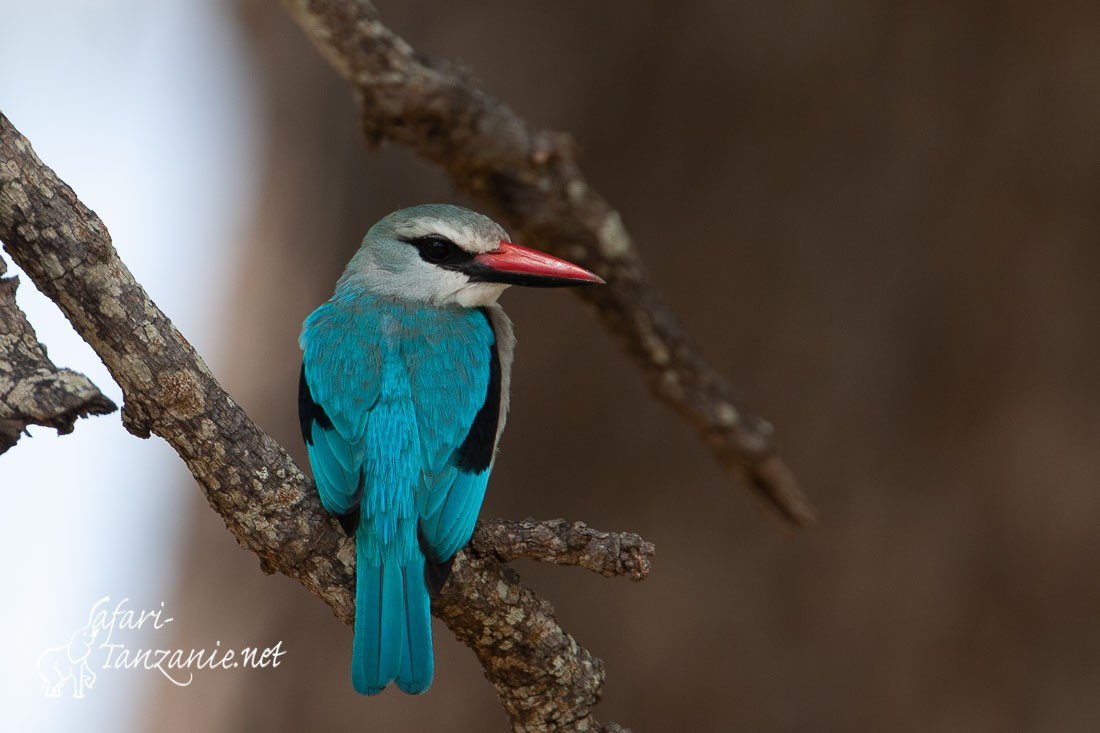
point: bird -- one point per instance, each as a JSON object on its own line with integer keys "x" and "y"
{"x": 403, "y": 395}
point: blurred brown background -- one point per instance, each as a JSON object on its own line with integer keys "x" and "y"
{"x": 880, "y": 220}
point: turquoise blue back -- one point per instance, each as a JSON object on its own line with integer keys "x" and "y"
{"x": 395, "y": 389}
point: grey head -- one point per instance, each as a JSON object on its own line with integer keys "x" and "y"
{"x": 446, "y": 255}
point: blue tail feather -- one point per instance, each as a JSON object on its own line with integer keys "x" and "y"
{"x": 379, "y": 610}
{"x": 393, "y": 633}
{"x": 417, "y": 660}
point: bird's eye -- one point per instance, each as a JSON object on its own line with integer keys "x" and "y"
{"x": 435, "y": 249}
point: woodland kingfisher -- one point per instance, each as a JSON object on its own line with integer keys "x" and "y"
{"x": 402, "y": 399}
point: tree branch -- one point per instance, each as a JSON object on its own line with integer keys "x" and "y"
{"x": 557, "y": 541}
{"x": 532, "y": 180}
{"x": 545, "y": 680}
{"x": 32, "y": 389}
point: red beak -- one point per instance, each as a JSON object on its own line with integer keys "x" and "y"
{"x": 515, "y": 265}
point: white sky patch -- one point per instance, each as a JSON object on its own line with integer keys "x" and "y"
{"x": 146, "y": 110}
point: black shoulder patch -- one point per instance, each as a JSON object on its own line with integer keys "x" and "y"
{"x": 476, "y": 452}
{"x": 436, "y": 571}
{"x": 309, "y": 412}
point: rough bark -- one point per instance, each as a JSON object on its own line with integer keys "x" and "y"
{"x": 33, "y": 391}
{"x": 532, "y": 180}
{"x": 545, "y": 680}
{"x": 563, "y": 543}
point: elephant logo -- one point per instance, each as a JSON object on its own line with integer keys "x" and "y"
{"x": 59, "y": 665}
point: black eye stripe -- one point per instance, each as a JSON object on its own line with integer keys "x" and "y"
{"x": 440, "y": 250}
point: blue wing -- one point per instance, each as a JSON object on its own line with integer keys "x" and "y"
{"x": 450, "y": 496}
{"x": 447, "y": 523}
{"x": 336, "y": 461}
{"x": 339, "y": 386}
